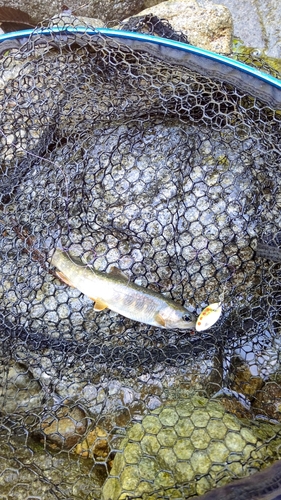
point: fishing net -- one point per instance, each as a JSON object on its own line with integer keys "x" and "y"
{"x": 128, "y": 157}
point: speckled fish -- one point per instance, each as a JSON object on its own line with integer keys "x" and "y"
{"x": 208, "y": 317}
{"x": 114, "y": 291}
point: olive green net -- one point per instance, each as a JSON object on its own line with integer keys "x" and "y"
{"x": 129, "y": 160}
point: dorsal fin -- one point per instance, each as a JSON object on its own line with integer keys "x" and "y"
{"x": 115, "y": 271}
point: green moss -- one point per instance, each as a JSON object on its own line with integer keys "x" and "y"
{"x": 151, "y": 424}
{"x": 169, "y": 416}
{"x": 178, "y": 443}
{"x": 256, "y": 58}
{"x": 167, "y": 437}
{"x": 132, "y": 453}
{"x": 136, "y": 432}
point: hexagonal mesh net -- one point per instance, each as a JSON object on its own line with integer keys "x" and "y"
{"x": 131, "y": 160}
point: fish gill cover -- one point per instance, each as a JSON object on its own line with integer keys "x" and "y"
{"x": 131, "y": 160}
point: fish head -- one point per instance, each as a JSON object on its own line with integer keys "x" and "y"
{"x": 178, "y": 318}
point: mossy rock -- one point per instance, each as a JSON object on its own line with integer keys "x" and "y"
{"x": 192, "y": 442}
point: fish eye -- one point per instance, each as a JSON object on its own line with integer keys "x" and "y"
{"x": 185, "y": 317}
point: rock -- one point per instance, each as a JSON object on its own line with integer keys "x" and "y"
{"x": 232, "y": 405}
{"x": 150, "y": 3}
{"x": 246, "y": 20}
{"x": 242, "y": 379}
{"x": 257, "y": 23}
{"x": 108, "y": 10}
{"x": 268, "y": 400}
{"x": 208, "y": 27}
{"x": 19, "y": 391}
{"x": 65, "y": 19}
{"x": 64, "y": 427}
{"x": 50, "y": 475}
{"x": 269, "y": 17}
{"x": 94, "y": 445}
{"x": 182, "y": 440}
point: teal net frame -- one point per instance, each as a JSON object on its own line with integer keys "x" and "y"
{"x": 266, "y": 87}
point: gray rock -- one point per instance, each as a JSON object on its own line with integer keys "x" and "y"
{"x": 246, "y": 20}
{"x": 65, "y": 19}
{"x": 256, "y": 22}
{"x": 108, "y": 10}
{"x": 19, "y": 391}
{"x": 208, "y": 27}
{"x": 270, "y": 15}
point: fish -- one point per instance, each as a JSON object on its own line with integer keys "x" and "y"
{"x": 208, "y": 317}
{"x": 113, "y": 290}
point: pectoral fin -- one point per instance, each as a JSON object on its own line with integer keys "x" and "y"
{"x": 114, "y": 271}
{"x": 64, "y": 278}
{"x": 160, "y": 319}
{"x": 100, "y": 305}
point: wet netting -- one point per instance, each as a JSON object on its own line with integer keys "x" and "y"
{"x": 123, "y": 155}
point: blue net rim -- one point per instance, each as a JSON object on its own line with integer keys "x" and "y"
{"x": 207, "y": 63}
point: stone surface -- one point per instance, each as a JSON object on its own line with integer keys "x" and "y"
{"x": 242, "y": 380}
{"x": 208, "y": 27}
{"x": 64, "y": 427}
{"x": 246, "y": 20}
{"x": 66, "y": 18}
{"x": 256, "y": 22}
{"x": 19, "y": 391}
{"x": 108, "y": 10}
{"x": 182, "y": 440}
{"x": 270, "y": 14}
{"x": 268, "y": 400}
{"x": 60, "y": 476}
{"x": 94, "y": 445}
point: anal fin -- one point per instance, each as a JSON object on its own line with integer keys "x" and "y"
{"x": 64, "y": 278}
{"x": 160, "y": 320}
{"x": 100, "y": 305}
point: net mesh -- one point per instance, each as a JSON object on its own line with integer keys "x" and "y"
{"x": 128, "y": 160}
